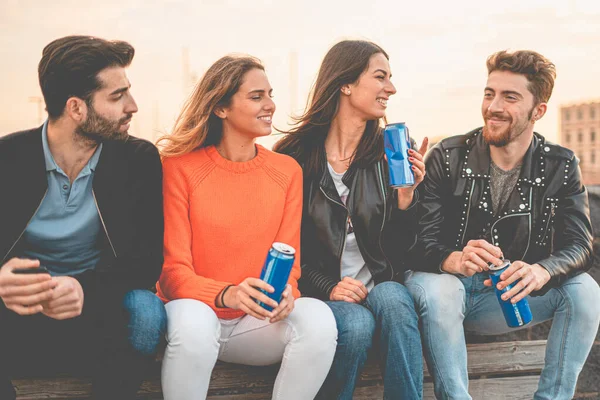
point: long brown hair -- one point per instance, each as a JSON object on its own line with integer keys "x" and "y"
{"x": 343, "y": 64}
{"x": 197, "y": 126}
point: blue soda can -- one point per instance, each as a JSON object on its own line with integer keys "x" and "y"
{"x": 518, "y": 314}
{"x": 276, "y": 270}
{"x": 396, "y": 145}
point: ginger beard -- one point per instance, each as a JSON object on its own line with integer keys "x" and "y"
{"x": 500, "y": 129}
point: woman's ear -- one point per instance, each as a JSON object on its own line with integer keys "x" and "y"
{"x": 220, "y": 112}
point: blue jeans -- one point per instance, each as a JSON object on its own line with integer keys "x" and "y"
{"x": 447, "y": 304}
{"x": 388, "y": 318}
{"x": 147, "y": 322}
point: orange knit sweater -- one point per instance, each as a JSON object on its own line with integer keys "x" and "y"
{"x": 221, "y": 218}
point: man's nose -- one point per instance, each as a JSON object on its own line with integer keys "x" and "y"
{"x": 496, "y": 105}
{"x": 131, "y": 106}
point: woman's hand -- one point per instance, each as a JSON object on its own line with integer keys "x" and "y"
{"x": 286, "y": 305}
{"x": 350, "y": 290}
{"x": 405, "y": 195}
{"x": 242, "y": 297}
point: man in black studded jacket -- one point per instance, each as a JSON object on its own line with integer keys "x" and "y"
{"x": 502, "y": 192}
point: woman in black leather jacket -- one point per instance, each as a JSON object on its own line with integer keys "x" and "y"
{"x": 354, "y": 226}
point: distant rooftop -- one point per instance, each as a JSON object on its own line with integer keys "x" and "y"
{"x": 580, "y": 103}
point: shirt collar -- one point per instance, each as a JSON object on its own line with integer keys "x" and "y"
{"x": 93, "y": 162}
{"x": 49, "y": 159}
{"x": 50, "y": 163}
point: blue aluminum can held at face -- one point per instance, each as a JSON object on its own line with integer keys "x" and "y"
{"x": 518, "y": 314}
{"x": 396, "y": 145}
{"x": 276, "y": 270}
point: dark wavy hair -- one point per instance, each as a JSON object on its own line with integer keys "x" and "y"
{"x": 343, "y": 64}
{"x": 70, "y": 65}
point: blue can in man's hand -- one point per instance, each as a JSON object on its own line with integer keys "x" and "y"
{"x": 396, "y": 144}
{"x": 517, "y": 314}
{"x": 276, "y": 270}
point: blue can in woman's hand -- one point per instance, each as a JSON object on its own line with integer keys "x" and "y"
{"x": 517, "y": 314}
{"x": 276, "y": 270}
{"x": 396, "y": 144}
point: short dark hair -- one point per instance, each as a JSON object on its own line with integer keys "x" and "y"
{"x": 70, "y": 65}
{"x": 539, "y": 71}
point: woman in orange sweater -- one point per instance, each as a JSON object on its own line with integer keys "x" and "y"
{"x": 226, "y": 200}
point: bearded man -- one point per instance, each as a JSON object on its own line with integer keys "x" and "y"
{"x": 505, "y": 192}
{"x": 81, "y": 227}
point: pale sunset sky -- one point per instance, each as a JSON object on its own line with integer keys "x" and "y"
{"x": 437, "y": 51}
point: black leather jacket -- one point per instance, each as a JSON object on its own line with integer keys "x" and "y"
{"x": 383, "y": 232}
{"x": 546, "y": 219}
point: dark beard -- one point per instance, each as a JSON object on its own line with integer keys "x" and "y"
{"x": 98, "y": 129}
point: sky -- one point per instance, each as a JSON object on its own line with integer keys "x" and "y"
{"x": 437, "y": 51}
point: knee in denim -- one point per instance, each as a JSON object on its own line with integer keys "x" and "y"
{"x": 584, "y": 292}
{"x": 442, "y": 292}
{"x": 147, "y": 320}
{"x": 391, "y": 299}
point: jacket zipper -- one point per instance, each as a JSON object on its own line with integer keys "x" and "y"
{"x": 552, "y": 205}
{"x": 384, "y": 194}
{"x": 24, "y": 229}
{"x": 528, "y": 227}
{"x": 462, "y": 241}
{"x": 345, "y": 233}
{"x": 103, "y": 224}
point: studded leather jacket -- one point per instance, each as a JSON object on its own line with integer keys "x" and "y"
{"x": 546, "y": 219}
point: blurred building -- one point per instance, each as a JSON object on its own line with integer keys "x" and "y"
{"x": 580, "y": 132}
{"x": 435, "y": 140}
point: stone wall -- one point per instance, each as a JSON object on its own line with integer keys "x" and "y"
{"x": 588, "y": 386}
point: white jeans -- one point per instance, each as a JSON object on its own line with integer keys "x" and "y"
{"x": 304, "y": 342}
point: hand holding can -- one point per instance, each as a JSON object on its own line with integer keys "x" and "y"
{"x": 276, "y": 271}
{"x": 517, "y": 314}
{"x": 396, "y": 146}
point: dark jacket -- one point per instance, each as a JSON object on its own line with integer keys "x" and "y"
{"x": 545, "y": 220}
{"x": 383, "y": 232}
{"x": 127, "y": 188}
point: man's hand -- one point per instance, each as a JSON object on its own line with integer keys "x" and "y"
{"x": 405, "y": 195}
{"x": 67, "y": 299}
{"x": 473, "y": 259}
{"x": 242, "y": 297}
{"x": 350, "y": 290}
{"x": 24, "y": 294}
{"x": 286, "y": 305}
{"x": 532, "y": 277}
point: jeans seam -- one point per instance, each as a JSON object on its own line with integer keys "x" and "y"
{"x": 560, "y": 366}
{"x": 471, "y": 297}
{"x": 431, "y": 354}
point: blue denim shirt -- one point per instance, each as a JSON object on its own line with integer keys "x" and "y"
{"x": 64, "y": 233}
